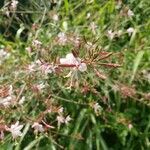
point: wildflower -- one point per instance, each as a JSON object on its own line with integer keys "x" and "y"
{"x": 21, "y": 101}
{"x": 7, "y": 101}
{"x": 110, "y": 34}
{"x": 14, "y": 4}
{"x": 93, "y": 27}
{"x": 96, "y": 108}
{"x": 37, "y": 127}
{"x": 60, "y": 119}
{"x": 3, "y": 55}
{"x": 75, "y": 41}
{"x": 60, "y": 110}
{"x": 130, "y": 126}
{"x": 55, "y": 17}
{"x": 36, "y": 43}
{"x": 40, "y": 86}
{"x": 31, "y": 68}
{"x": 6, "y": 96}
{"x": 130, "y": 31}
{"x": 88, "y": 15}
{"x": 47, "y": 68}
{"x": 90, "y": 45}
{"x": 71, "y": 60}
{"x": 67, "y": 119}
{"x": 82, "y": 67}
{"x": 28, "y": 49}
{"x": 62, "y": 38}
{"x": 130, "y": 13}
{"x": 15, "y": 130}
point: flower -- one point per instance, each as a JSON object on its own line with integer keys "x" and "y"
{"x": 14, "y": 4}
{"x": 47, "y": 68}
{"x": 36, "y": 43}
{"x": 71, "y": 60}
{"x": 37, "y": 127}
{"x": 7, "y": 98}
{"x": 88, "y": 15}
{"x": 67, "y": 119}
{"x": 7, "y": 101}
{"x": 60, "y": 110}
{"x": 31, "y": 68}
{"x": 55, "y": 17}
{"x": 96, "y": 108}
{"x": 3, "y": 55}
{"x": 60, "y": 119}
{"x": 110, "y": 34}
{"x": 130, "y": 13}
{"x": 21, "y": 101}
{"x": 15, "y": 130}
{"x": 62, "y": 38}
{"x": 93, "y": 27}
{"x": 130, "y": 126}
{"x": 40, "y": 86}
{"x": 130, "y": 31}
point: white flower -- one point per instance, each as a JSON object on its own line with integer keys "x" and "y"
{"x": 47, "y": 68}
{"x": 40, "y": 86}
{"x": 60, "y": 119}
{"x": 67, "y": 119}
{"x": 60, "y": 110}
{"x": 130, "y": 13}
{"x": 93, "y": 27}
{"x": 28, "y": 49}
{"x": 3, "y": 55}
{"x": 111, "y": 34}
{"x": 15, "y": 130}
{"x": 88, "y": 15}
{"x": 10, "y": 90}
{"x": 31, "y": 67}
{"x": 14, "y": 4}
{"x": 21, "y": 101}
{"x": 37, "y": 127}
{"x": 130, "y": 31}
{"x": 7, "y": 101}
{"x": 62, "y": 38}
{"x": 130, "y": 126}
{"x": 82, "y": 67}
{"x": 96, "y": 108}
{"x": 55, "y": 17}
{"x": 71, "y": 60}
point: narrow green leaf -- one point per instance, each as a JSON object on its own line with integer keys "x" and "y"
{"x": 136, "y": 64}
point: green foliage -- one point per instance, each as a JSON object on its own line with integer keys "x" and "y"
{"x": 122, "y": 119}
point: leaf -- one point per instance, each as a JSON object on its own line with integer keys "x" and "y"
{"x": 136, "y": 64}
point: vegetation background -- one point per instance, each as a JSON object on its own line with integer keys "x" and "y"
{"x": 109, "y": 106}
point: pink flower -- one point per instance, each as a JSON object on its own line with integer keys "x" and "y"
{"x": 15, "y": 130}
{"x": 62, "y": 38}
{"x": 37, "y": 127}
{"x": 71, "y": 60}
